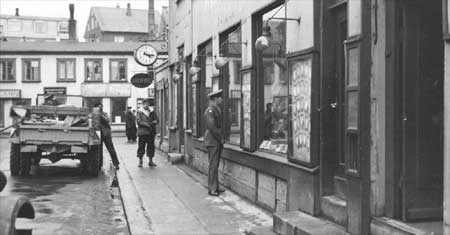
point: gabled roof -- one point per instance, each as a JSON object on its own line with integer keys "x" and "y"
{"x": 117, "y": 20}
{"x": 67, "y": 47}
{"x": 34, "y": 18}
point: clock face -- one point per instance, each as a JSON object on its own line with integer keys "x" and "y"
{"x": 145, "y": 55}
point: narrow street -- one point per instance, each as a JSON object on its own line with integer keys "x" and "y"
{"x": 65, "y": 201}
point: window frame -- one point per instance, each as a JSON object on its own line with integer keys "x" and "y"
{"x": 86, "y": 60}
{"x": 14, "y": 21}
{"x": 224, "y": 81}
{"x": 59, "y": 60}
{"x": 259, "y": 84}
{"x": 24, "y": 60}
{"x": 125, "y": 60}
{"x": 199, "y": 89}
{"x": 13, "y": 70}
{"x": 42, "y": 23}
{"x": 111, "y": 103}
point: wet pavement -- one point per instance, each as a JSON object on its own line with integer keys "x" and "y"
{"x": 172, "y": 199}
{"x": 65, "y": 201}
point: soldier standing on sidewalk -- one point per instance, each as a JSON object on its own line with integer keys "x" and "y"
{"x": 214, "y": 140}
{"x": 147, "y": 121}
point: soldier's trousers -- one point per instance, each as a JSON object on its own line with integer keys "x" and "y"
{"x": 149, "y": 141}
{"x": 107, "y": 140}
{"x": 214, "y": 153}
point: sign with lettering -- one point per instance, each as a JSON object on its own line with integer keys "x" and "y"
{"x": 105, "y": 90}
{"x": 142, "y": 80}
{"x": 10, "y": 94}
{"x": 300, "y": 90}
{"x": 55, "y": 90}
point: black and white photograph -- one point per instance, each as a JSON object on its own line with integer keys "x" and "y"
{"x": 223, "y": 117}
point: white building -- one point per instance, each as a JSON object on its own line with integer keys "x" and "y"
{"x": 100, "y": 72}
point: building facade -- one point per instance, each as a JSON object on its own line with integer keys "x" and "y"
{"x": 107, "y": 24}
{"x": 338, "y": 112}
{"x": 36, "y": 28}
{"x": 99, "y": 72}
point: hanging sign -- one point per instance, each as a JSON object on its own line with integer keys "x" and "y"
{"x": 142, "y": 80}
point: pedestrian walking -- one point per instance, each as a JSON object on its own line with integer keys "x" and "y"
{"x": 130, "y": 125}
{"x": 213, "y": 140}
{"x": 101, "y": 122}
{"x": 147, "y": 120}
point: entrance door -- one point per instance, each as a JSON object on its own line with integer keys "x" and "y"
{"x": 422, "y": 65}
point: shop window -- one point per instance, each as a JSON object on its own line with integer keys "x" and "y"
{"x": 118, "y": 70}
{"x": 2, "y": 113}
{"x": 118, "y": 107}
{"x": 31, "y": 70}
{"x": 231, "y": 49}
{"x": 189, "y": 105}
{"x": 89, "y": 102}
{"x": 158, "y": 107}
{"x": 93, "y": 70}
{"x": 274, "y": 76}
{"x": 202, "y": 87}
{"x": 166, "y": 110}
{"x": 66, "y": 70}
{"x": 7, "y": 70}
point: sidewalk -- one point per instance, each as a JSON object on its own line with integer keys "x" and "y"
{"x": 171, "y": 199}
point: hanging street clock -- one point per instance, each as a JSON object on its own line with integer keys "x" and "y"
{"x": 145, "y": 55}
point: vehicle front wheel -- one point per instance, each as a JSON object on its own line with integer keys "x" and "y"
{"x": 14, "y": 159}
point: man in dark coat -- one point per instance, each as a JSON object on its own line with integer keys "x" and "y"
{"x": 101, "y": 122}
{"x": 147, "y": 121}
{"x": 130, "y": 125}
{"x": 213, "y": 140}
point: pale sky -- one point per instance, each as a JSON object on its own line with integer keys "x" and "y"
{"x": 60, "y": 8}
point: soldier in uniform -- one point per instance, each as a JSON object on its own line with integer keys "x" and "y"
{"x": 214, "y": 140}
{"x": 101, "y": 122}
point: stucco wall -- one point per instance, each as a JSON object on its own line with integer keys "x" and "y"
{"x": 28, "y": 30}
{"x": 48, "y": 78}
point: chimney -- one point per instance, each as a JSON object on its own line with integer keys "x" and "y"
{"x": 72, "y": 24}
{"x": 128, "y": 9}
{"x": 151, "y": 19}
{"x": 17, "y": 11}
{"x": 118, "y": 5}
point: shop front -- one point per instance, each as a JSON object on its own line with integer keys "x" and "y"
{"x": 9, "y": 98}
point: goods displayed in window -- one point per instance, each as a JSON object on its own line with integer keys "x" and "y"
{"x": 300, "y": 91}
{"x": 246, "y": 109}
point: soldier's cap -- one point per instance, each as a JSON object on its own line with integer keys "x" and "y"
{"x": 215, "y": 94}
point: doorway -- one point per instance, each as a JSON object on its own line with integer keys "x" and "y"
{"x": 419, "y": 110}
{"x": 335, "y": 124}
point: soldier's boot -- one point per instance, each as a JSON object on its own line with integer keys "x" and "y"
{"x": 140, "y": 162}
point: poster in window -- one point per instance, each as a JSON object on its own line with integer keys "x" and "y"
{"x": 194, "y": 107}
{"x": 246, "y": 109}
{"x": 300, "y": 91}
